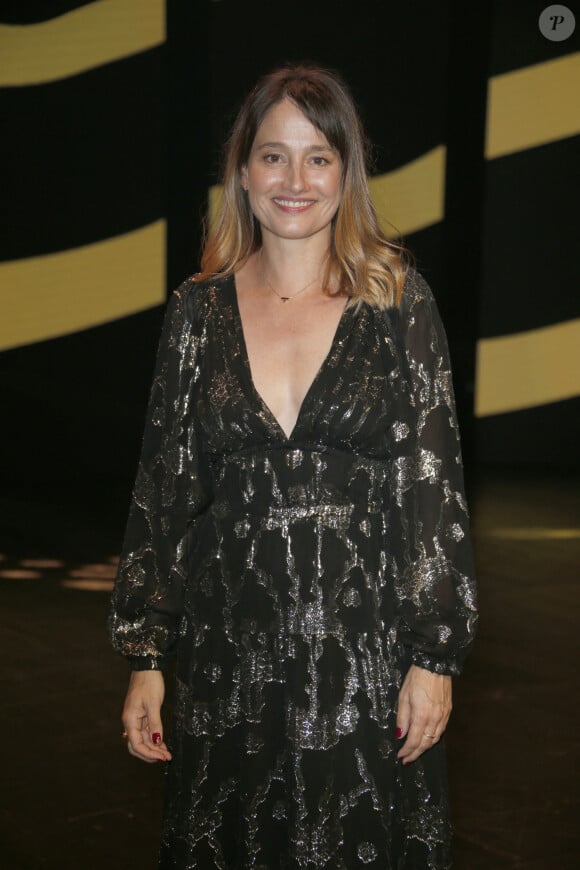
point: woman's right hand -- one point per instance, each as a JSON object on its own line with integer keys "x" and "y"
{"x": 142, "y": 716}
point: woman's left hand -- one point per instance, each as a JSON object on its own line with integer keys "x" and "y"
{"x": 423, "y": 711}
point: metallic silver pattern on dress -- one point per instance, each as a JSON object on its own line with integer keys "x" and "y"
{"x": 366, "y": 852}
{"x": 295, "y": 580}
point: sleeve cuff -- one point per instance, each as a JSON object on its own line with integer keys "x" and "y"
{"x": 147, "y": 663}
{"x": 448, "y": 667}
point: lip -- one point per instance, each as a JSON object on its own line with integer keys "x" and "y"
{"x": 293, "y": 206}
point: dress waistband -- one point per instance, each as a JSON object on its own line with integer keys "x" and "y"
{"x": 307, "y": 481}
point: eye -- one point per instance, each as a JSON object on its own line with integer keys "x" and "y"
{"x": 320, "y": 161}
{"x": 272, "y": 158}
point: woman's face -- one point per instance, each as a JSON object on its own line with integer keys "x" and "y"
{"x": 293, "y": 176}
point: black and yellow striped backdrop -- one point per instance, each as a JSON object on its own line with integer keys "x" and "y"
{"x": 528, "y": 350}
{"x": 82, "y": 168}
{"x": 114, "y": 111}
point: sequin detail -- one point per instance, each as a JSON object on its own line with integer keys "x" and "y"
{"x": 295, "y": 580}
{"x": 366, "y": 853}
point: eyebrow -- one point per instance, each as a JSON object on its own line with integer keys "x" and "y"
{"x": 282, "y": 146}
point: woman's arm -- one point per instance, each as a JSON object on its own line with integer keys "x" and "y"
{"x": 433, "y": 559}
{"x": 147, "y": 599}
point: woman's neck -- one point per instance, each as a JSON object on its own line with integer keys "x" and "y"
{"x": 290, "y": 264}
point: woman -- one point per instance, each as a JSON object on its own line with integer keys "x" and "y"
{"x": 298, "y": 536}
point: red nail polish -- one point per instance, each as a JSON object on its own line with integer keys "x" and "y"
{"x": 405, "y": 763}
{"x": 399, "y": 732}
{"x": 156, "y": 738}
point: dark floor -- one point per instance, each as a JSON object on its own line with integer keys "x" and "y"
{"x": 72, "y": 799}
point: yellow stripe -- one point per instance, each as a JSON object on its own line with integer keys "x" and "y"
{"x": 413, "y": 197}
{"x": 529, "y": 533}
{"x": 214, "y": 201}
{"x": 528, "y": 369}
{"x": 407, "y": 199}
{"x": 533, "y": 106}
{"x": 43, "y": 297}
{"x": 91, "y": 36}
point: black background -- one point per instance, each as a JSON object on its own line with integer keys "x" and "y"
{"x": 117, "y": 147}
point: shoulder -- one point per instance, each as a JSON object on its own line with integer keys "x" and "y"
{"x": 417, "y": 300}
{"x": 416, "y": 290}
{"x": 416, "y": 293}
{"x": 418, "y": 312}
{"x": 194, "y": 298}
{"x": 414, "y": 327}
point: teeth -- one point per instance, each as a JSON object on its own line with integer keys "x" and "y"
{"x": 289, "y": 203}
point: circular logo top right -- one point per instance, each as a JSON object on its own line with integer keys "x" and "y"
{"x": 557, "y": 22}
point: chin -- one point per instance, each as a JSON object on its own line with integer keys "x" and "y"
{"x": 295, "y": 232}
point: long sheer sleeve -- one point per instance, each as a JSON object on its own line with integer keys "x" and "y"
{"x": 433, "y": 563}
{"x": 169, "y": 491}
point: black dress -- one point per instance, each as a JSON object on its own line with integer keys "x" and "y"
{"x": 296, "y": 579}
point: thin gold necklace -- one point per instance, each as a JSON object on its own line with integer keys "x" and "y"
{"x": 287, "y": 298}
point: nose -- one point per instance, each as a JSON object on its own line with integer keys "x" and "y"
{"x": 295, "y": 178}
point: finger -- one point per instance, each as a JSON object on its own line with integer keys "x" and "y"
{"x": 153, "y": 730}
{"x": 422, "y": 737}
{"x": 413, "y": 741}
{"x": 425, "y": 744}
{"x": 138, "y": 746}
{"x": 138, "y": 742}
{"x": 403, "y": 716}
{"x": 136, "y": 753}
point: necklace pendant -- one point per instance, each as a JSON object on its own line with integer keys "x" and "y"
{"x": 284, "y": 298}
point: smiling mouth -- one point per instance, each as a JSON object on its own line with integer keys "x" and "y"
{"x": 294, "y": 203}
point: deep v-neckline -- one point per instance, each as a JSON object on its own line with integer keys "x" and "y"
{"x": 248, "y": 369}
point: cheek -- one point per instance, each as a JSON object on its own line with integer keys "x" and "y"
{"x": 334, "y": 187}
{"x": 259, "y": 178}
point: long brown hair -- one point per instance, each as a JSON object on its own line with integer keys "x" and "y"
{"x": 362, "y": 262}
